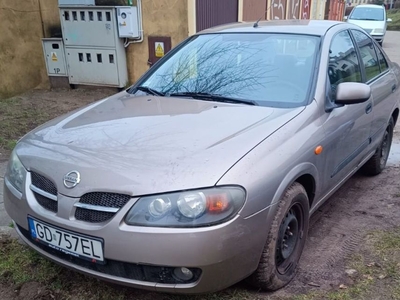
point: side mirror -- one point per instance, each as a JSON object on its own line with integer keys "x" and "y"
{"x": 345, "y": 18}
{"x": 352, "y": 93}
{"x": 389, "y": 20}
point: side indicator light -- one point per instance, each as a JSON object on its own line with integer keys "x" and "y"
{"x": 318, "y": 150}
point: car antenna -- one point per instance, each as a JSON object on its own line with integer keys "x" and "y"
{"x": 255, "y": 25}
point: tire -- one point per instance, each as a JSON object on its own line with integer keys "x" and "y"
{"x": 380, "y": 43}
{"x": 377, "y": 162}
{"x": 277, "y": 265}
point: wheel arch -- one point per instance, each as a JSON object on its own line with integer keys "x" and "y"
{"x": 395, "y": 115}
{"x": 306, "y": 174}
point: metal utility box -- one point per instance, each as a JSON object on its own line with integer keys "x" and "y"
{"x": 75, "y": 2}
{"x": 54, "y": 56}
{"x": 128, "y": 22}
{"x": 95, "y": 54}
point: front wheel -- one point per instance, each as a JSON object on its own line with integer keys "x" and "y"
{"x": 377, "y": 162}
{"x": 285, "y": 241}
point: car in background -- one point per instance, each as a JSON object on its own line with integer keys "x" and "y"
{"x": 206, "y": 171}
{"x": 372, "y": 18}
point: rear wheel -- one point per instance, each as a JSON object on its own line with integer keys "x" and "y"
{"x": 285, "y": 242}
{"x": 377, "y": 162}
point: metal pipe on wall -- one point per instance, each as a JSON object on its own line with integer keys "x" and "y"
{"x": 141, "y": 32}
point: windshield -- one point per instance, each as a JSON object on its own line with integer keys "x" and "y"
{"x": 367, "y": 13}
{"x": 269, "y": 69}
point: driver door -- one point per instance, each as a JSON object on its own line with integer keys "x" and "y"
{"x": 347, "y": 128}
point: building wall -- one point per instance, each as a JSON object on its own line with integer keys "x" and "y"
{"x": 50, "y": 18}
{"x": 22, "y": 64}
{"x": 254, "y": 10}
{"x": 160, "y": 18}
{"x": 281, "y": 9}
{"x": 24, "y": 23}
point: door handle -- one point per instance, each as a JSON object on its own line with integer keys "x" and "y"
{"x": 368, "y": 109}
{"x": 394, "y": 88}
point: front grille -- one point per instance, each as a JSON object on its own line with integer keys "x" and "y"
{"x": 43, "y": 183}
{"x": 46, "y": 202}
{"x": 119, "y": 269}
{"x": 92, "y": 216}
{"x": 99, "y": 199}
{"x": 105, "y": 199}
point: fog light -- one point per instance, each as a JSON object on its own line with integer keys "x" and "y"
{"x": 183, "y": 274}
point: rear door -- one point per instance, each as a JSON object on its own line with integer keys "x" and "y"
{"x": 382, "y": 82}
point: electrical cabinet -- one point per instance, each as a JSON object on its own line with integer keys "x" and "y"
{"x": 95, "y": 54}
{"x": 75, "y": 2}
{"x": 54, "y": 56}
{"x": 128, "y": 22}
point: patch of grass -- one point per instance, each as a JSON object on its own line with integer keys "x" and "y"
{"x": 11, "y": 144}
{"x": 393, "y": 14}
{"x": 385, "y": 242}
{"x": 19, "y": 264}
{"x": 11, "y": 225}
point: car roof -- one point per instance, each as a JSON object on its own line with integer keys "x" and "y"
{"x": 369, "y": 6}
{"x": 313, "y": 27}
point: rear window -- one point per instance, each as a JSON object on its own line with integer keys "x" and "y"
{"x": 367, "y": 14}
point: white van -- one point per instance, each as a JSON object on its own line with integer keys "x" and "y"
{"x": 372, "y": 18}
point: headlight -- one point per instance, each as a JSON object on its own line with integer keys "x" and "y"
{"x": 187, "y": 209}
{"x": 378, "y": 30}
{"x": 16, "y": 172}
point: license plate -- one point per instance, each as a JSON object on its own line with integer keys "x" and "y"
{"x": 68, "y": 242}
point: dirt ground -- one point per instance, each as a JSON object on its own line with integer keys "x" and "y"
{"x": 22, "y": 113}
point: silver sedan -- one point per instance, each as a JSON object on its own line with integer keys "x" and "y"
{"x": 206, "y": 171}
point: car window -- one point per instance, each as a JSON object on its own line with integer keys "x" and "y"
{"x": 343, "y": 61}
{"x": 270, "y": 69}
{"x": 368, "y": 54}
{"x": 368, "y": 13}
{"x": 382, "y": 61}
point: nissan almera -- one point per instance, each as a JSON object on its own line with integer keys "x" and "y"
{"x": 206, "y": 171}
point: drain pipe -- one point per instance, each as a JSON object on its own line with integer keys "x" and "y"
{"x": 141, "y": 32}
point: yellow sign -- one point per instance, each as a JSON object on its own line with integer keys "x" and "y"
{"x": 54, "y": 56}
{"x": 159, "y": 49}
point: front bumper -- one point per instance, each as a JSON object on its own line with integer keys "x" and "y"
{"x": 378, "y": 37}
{"x": 225, "y": 253}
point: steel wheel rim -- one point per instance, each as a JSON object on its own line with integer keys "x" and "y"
{"x": 289, "y": 235}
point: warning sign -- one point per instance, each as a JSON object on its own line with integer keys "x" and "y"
{"x": 159, "y": 49}
{"x": 54, "y": 56}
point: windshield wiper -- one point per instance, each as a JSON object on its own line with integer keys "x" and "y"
{"x": 150, "y": 91}
{"x": 212, "y": 97}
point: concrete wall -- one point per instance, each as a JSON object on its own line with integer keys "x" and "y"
{"x": 160, "y": 18}
{"x": 22, "y": 64}
{"x": 24, "y": 23}
{"x": 50, "y": 18}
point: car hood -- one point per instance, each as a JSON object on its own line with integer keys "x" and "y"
{"x": 144, "y": 144}
{"x": 368, "y": 25}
